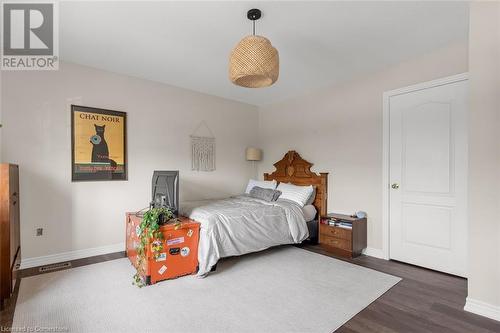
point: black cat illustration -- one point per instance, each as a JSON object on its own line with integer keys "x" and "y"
{"x": 100, "y": 151}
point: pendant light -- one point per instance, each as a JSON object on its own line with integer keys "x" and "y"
{"x": 254, "y": 62}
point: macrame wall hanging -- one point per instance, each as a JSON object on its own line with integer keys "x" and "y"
{"x": 202, "y": 150}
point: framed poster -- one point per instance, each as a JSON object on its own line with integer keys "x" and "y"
{"x": 98, "y": 144}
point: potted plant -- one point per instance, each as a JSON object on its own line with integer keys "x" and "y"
{"x": 149, "y": 230}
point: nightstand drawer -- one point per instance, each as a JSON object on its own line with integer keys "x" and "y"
{"x": 335, "y": 232}
{"x": 336, "y": 242}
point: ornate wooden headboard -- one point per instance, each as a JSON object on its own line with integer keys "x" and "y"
{"x": 294, "y": 169}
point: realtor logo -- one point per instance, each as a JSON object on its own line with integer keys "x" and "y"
{"x": 29, "y": 36}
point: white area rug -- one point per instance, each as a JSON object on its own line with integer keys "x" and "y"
{"x": 285, "y": 289}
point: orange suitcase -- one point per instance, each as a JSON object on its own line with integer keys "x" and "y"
{"x": 179, "y": 254}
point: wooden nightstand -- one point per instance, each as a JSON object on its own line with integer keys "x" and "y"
{"x": 343, "y": 241}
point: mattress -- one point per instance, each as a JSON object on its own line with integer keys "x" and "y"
{"x": 241, "y": 224}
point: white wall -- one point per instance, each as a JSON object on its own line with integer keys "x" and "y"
{"x": 484, "y": 160}
{"x": 339, "y": 129}
{"x": 75, "y": 216}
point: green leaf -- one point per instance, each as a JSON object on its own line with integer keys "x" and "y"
{"x": 149, "y": 229}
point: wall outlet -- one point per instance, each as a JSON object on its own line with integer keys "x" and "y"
{"x": 39, "y": 231}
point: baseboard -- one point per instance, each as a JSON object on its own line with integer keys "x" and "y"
{"x": 71, "y": 255}
{"x": 482, "y": 308}
{"x": 372, "y": 252}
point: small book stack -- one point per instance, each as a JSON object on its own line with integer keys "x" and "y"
{"x": 338, "y": 222}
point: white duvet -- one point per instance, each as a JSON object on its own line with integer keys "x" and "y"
{"x": 241, "y": 224}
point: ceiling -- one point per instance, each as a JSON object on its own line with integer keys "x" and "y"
{"x": 187, "y": 44}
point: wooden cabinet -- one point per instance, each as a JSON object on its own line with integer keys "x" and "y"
{"x": 10, "y": 249}
{"x": 343, "y": 241}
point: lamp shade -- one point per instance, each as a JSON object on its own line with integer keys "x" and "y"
{"x": 254, "y": 63}
{"x": 253, "y": 154}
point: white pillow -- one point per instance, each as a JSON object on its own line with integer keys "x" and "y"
{"x": 260, "y": 183}
{"x": 298, "y": 194}
{"x": 309, "y": 212}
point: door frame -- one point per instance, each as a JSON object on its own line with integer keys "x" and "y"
{"x": 386, "y": 151}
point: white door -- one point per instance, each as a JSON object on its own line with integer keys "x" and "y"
{"x": 428, "y": 177}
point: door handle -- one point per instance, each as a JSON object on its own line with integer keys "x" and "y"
{"x": 395, "y": 186}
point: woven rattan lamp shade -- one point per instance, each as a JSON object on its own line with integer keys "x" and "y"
{"x": 254, "y": 63}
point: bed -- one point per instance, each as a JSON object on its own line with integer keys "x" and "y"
{"x": 242, "y": 224}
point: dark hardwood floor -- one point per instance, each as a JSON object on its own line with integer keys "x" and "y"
{"x": 424, "y": 300}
